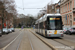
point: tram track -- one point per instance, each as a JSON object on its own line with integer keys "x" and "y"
{"x": 30, "y": 42}
{"x": 65, "y": 43}
{"x": 25, "y": 42}
{"x": 48, "y": 44}
{"x": 19, "y": 43}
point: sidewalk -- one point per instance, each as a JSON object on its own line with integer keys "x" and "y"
{"x": 25, "y": 43}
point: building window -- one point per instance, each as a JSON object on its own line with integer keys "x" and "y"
{"x": 74, "y": 3}
{"x": 62, "y": 9}
{"x": 68, "y": 6}
{"x": 62, "y": 0}
{"x": 58, "y": 3}
{"x": 71, "y": 5}
{"x": 52, "y": 7}
{"x": 68, "y": 19}
{"x": 70, "y": 23}
{"x": 57, "y": 10}
{"x": 65, "y": 8}
{"x": 74, "y": 19}
{"x": 64, "y": 20}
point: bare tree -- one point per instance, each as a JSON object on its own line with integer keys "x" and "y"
{"x": 9, "y": 11}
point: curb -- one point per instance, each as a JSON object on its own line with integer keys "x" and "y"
{"x": 48, "y": 44}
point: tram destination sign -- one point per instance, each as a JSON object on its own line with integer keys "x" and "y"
{"x": 54, "y": 18}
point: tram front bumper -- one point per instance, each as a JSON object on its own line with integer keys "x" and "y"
{"x": 54, "y": 35}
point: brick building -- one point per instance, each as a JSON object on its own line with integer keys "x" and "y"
{"x": 57, "y": 7}
{"x": 51, "y": 8}
{"x": 67, "y": 8}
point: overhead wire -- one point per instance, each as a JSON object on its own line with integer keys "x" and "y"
{"x": 28, "y": 8}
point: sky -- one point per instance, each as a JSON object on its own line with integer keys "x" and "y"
{"x": 31, "y": 4}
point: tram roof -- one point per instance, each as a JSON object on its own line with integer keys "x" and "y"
{"x": 53, "y": 14}
{"x": 45, "y": 16}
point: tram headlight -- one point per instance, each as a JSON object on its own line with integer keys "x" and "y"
{"x": 50, "y": 32}
{"x": 61, "y": 32}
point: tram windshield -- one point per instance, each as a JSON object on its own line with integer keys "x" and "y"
{"x": 55, "y": 23}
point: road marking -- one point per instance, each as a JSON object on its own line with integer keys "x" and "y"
{"x": 10, "y": 42}
{"x": 31, "y": 45}
{"x": 19, "y": 43}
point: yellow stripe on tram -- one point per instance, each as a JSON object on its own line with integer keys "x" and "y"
{"x": 55, "y": 32}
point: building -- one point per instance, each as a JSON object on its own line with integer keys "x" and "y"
{"x": 51, "y": 9}
{"x": 57, "y": 7}
{"x": 67, "y": 10}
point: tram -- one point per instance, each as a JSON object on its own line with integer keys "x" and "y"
{"x": 50, "y": 25}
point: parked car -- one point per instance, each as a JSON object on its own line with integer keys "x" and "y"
{"x": 0, "y": 32}
{"x": 5, "y": 30}
{"x": 13, "y": 30}
{"x": 9, "y": 30}
{"x": 71, "y": 30}
{"x": 65, "y": 30}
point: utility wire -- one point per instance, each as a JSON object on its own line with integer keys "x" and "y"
{"x": 23, "y": 4}
{"x": 28, "y": 8}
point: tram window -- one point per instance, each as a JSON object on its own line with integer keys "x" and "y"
{"x": 44, "y": 25}
{"x": 40, "y": 25}
{"x": 55, "y": 23}
{"x": 36, "y": 26}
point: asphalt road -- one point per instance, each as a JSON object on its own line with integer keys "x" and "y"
{"x": 6, "y": 39}
{"x": 69, "y": 37}
{"x": 21, "y": 40}
{"x": 16, "y": 42}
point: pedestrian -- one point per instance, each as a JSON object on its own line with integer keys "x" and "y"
{"x": 22, "y": 27}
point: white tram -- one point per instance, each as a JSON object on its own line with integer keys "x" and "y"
{"x": 50, "y": 25}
